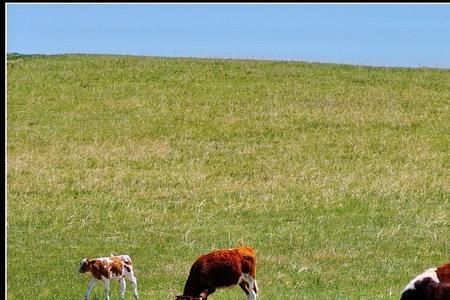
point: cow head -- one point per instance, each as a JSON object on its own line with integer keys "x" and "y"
{"x": 84, "y": 266}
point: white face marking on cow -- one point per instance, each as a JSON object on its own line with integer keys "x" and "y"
{"x": 431, "y": 273}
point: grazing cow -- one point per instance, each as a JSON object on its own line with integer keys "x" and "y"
{"x": 219, "y": 269}
{"x": 433, "y": 284}
{"x": 106, "y": 268}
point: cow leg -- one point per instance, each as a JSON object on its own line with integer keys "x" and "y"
{"x": 91, "y": 285}
{"x": 253, "y": 287}
{"x": 244, "y": 286}
{"x": 106, "y": 283}
{"x": 123, "y": 286}
{"x": 133, "y": 280}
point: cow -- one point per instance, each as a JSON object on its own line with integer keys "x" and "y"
{"x": 433, "y": 284}
{"x": 220, "y": 269}
{"x": 106, "y": 268}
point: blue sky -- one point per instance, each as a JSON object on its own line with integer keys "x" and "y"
{"x": 377, "y": 34}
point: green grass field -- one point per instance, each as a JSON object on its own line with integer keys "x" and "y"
{"x": 338, "y": 176}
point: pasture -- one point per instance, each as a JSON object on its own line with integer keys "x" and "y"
{"x": 338, "y": 176}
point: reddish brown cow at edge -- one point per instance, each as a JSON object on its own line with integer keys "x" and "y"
{"x": 220, "y": 269}
{"x": 433, "y": 284}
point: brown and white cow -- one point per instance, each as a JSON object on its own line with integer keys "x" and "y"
{"x": 106, "y": 268}
{"x": 433, "y": 284}
{"x": 220, "y": 269}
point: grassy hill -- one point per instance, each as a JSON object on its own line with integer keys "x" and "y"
{"x": 337, "y": 175}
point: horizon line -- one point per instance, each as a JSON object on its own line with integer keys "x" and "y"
{"x": 288, "y": 60}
